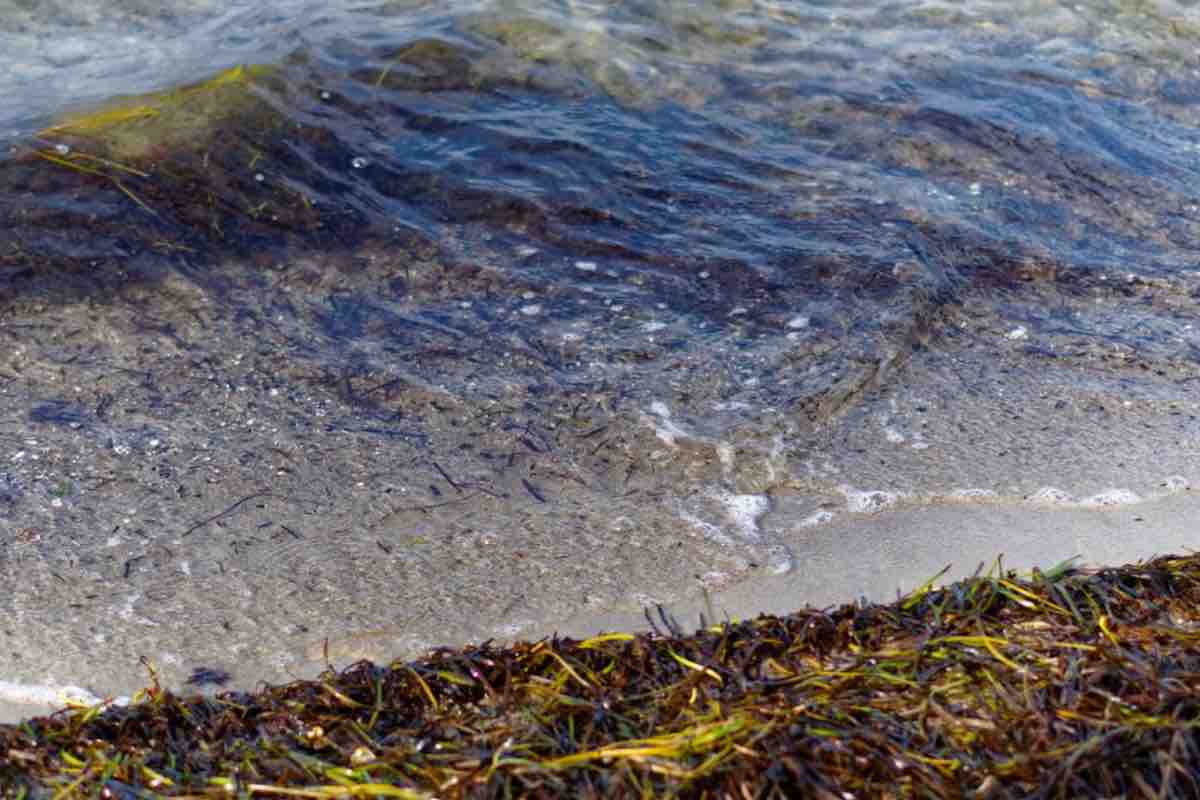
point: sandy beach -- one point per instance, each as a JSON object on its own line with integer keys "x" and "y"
{"x": 204, "y": 472}
{"x": 496, "y": 324}
{"x": 197, "y": 476}
{"x": 908, "y": 547}
{"x": 870, "y": 557}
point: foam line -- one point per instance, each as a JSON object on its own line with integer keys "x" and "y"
{"x": 53, "y": 697}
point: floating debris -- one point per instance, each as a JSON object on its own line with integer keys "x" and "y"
{"x": 1064, "y": 683}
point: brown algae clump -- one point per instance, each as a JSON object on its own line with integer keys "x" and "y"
{"x": 136, "y": 128}
{"x": 212, "y": 160}
{"x": 1068, "y": 683}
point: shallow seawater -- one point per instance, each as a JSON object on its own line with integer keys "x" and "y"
{"x": 550, "y": 306}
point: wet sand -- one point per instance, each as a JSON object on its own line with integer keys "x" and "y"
{"x": 862, "y": 556}
{"x": 448, "y": 401}
{"x": 256, "y": 473}
{"x": 344, "y": 439}
{"x": 874, "y": 558}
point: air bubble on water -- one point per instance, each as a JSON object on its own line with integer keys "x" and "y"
{"x": 325, "y": 95}
{"x": 868, "y": 502}
{"x": 1050, "y": 495}
{"x": 796, "y": 323}
{"x": 1110, "y": 498}
{"x": 258, "y": 176}
{"x": 819, "y": 517}
{"x": 62, "y": 149}
{"x": 358, "y": 162}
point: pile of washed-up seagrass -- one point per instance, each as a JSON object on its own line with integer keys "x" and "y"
{"x": 1070, "y": 683}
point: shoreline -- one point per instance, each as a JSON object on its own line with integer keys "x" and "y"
{"x": 1072, "y": 682}
{"x": 908, "y": 546}
{"x": 914, "y": 544}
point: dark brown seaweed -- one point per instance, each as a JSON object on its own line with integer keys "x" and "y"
{"x": 1071, "y": 683}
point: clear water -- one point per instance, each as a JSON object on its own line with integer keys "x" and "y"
{"x": 758, "y": 163}
{"x": 761, "y": 135}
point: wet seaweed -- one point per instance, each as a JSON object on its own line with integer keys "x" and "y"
{"x": 1063, "y": 683}
{"x": 269, "y": 162}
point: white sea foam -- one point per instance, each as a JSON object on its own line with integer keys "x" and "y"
{"x": 868, "y": 502}
{"x": 708, "y": 529}
{"x": 1051, "y": 496}
{"x": 1111, "y": 498}
{"x": 664, "y": 428}
{"x": 973, "y": 495}
{"x": 797, "y": 323}
{"x": 53, "y": 697}
{"x": 742, "y": 513}
{"x": 745, "y": 510}
{"x": 816, "y": 518}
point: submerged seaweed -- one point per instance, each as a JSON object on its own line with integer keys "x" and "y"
{"x": 1067, "y": 683}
